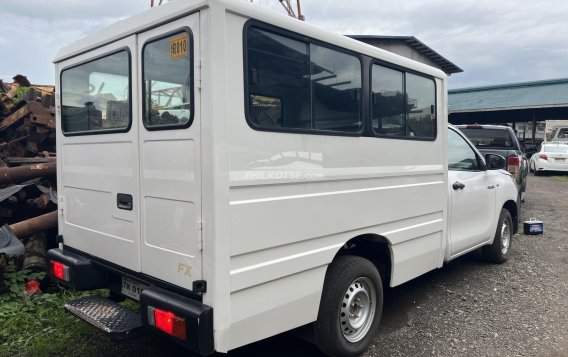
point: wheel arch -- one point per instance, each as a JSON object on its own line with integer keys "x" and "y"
{"x": 513, "y": 209}
{"x": 372, "y": 247}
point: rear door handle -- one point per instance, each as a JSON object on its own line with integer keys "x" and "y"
{"x": 124, "y": 201}
{"x": 458, "y": 186}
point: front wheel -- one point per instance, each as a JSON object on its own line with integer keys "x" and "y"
{"x": 350, "y": 307}
{"x": 498, "y": 251}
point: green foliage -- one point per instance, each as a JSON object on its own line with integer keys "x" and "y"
{"x": 35, "y": 326}
{"x": 21, "y": 90}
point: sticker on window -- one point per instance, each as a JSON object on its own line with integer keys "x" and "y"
{"x": 179, "y": 46}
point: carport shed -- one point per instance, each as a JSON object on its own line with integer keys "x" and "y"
{"x": 527, "y": 102}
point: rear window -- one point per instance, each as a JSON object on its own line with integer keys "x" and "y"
{"x": 555, "y": 148}
{"x": 494, "y": 138}
{"x": 95, "y": 96}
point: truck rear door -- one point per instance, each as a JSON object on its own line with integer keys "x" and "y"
{"x": 130, "y": 157}
{"x": 170, "y": 155}
{"x": 98, "y": 183}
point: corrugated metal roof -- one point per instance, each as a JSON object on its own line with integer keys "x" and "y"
{"x": 419, "y": 46}
{"x": 526, "y": 95}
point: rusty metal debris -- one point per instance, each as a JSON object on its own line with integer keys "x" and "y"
{"x": 27, "y": 168}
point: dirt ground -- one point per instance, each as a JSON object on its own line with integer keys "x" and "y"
{"x": 468, "y": 308}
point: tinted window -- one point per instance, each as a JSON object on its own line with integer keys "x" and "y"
{"x": 496, "y": 138}
{"x": 336, "y": 84}
{"x": 403, "y": 104}
{"x": 296, "y": 85}
{"x": 389, "y": 113}
{"x": 95, "y": 96}
{"x": 167, "y": 79}
{"x": 460, "y": 155}
{"x": 421, "y": 120}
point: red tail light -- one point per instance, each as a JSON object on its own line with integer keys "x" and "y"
{"x": 543, "y": 156}
{"x": 513, "y": 164}
{"x": 513, "y": 161}
{"x": 59, "y": 270}
{"x": 167, "y": 322}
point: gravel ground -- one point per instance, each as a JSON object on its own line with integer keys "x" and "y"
{"x": 467, "y": 308}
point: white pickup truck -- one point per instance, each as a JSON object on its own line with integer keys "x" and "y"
{"x": 240, "y": 173}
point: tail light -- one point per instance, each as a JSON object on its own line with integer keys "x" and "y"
{"x": 543, "y": 156}
{"x": 167, "y": 322}
{"x": 513, "y": 164}
{"x": 59, "y": 270}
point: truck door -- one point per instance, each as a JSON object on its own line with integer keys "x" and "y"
{"x": 472, "y": 196}
{"x": 170, "y": 152}
{"x": 97, "y": 153}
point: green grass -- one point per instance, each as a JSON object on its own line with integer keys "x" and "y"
{"x": 563, "y": 178}
{"x": 36, "y": 326}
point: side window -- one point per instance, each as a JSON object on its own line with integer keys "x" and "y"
{"x": 421, "y": 102}
{"x": 389, "y": 113}
{"x": 460, "y": 155}
{"x": 336, "y": 85}
{"x": 403, "y": 104}
{"x": 167, "y": 77}
{"x": 295, "y": 85}
{"x": 95, "y": 96}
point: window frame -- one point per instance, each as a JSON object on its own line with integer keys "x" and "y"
{"x": 90, "y": 60}
{"x": 177, "y": 31}
{"x": 404, "y": 70}
{"x": 309, "y": 40}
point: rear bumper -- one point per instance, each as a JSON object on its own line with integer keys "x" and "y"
{"x": 85, "y": 274}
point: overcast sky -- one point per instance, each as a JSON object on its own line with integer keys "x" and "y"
{"x": 493, "y": 41}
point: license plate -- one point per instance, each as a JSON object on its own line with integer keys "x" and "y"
{"x": 560, "y": 160}
{"x": 132, "y": 288}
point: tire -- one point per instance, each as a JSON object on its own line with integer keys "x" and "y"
{"x": 350, "y": 307}
{"x": 498, "y": 251}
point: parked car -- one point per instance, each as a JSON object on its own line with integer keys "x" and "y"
{"x": 501, "y": 140}
{"x": 550, "y": 157}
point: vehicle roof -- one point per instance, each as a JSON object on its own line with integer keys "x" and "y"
{"x": 483, "y": 126}
{"x": 175, "y": 9}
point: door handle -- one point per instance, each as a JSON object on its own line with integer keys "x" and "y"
{"x": 124, "y": 201}
{"x": 458, "y": 186}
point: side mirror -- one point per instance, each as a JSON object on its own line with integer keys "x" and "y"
{"x": 495, "y": 162}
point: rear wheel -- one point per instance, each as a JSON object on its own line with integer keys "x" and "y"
{"x": 498, "y": 251}
{"x": 350, "y": 307}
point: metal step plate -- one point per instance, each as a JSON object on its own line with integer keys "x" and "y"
{"x": 116, "y": 320}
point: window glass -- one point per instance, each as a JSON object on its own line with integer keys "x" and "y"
{"x": 555, "y": 148}
{"x": 293, "y": 84}
{"x": 420, "y": 93}
{"x": 389, "y": 114}
{"x": 278, "y": 81}
{"x": 95, "y": 96}
{"x": 167, "y": 79}
{"x": 460, "y": 155}
{"x": 403, "y": 104}
{"x": 336, "y": 84}
{"x": 496, "y": 138}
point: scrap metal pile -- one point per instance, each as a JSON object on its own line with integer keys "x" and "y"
{"x": 28, "y": 200}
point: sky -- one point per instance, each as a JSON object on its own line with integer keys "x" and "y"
{"x": 493, "y": 41}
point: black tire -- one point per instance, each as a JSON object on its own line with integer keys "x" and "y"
{"x": 349, "y": 279}
{"x": 498, "y": 251}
